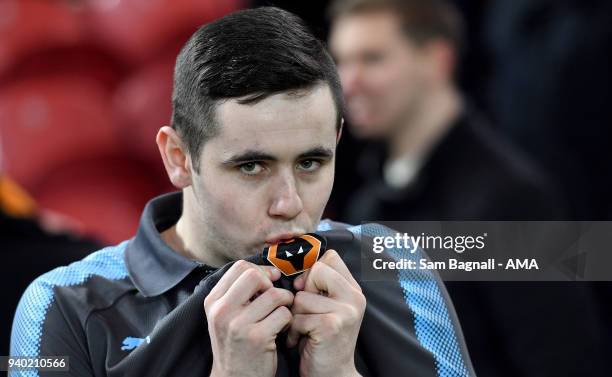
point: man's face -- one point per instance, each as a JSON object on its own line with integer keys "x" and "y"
{"x": 269, "y": 172}
{"x": 383, "y": 74}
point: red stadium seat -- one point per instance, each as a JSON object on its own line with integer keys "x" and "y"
{"x": 138, "y": 29}
{"x": 83, "y": 60}
{"x": 106, "y": 196}
{"x": 27, "y": 26}
{"x": 47, "y": 121}
{"x": 142, "y": 104}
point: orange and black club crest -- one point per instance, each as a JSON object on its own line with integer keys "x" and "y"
{"x": 296, "y": 255}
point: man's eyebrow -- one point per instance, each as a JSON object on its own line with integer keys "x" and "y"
{"x": 249, "y": 155}
{"x": 320, "y": 152}
{"x": 256, "y": 155}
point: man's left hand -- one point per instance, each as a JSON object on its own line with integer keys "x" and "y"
{"x": 327, "y": 312}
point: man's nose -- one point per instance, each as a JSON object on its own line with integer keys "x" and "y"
{"x": 286, "y": 201}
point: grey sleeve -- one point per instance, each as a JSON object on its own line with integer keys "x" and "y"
{"x": 410, "y": 326}
{"x": 42, "y": 327}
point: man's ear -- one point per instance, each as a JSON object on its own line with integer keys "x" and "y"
{"x": 339, "y": 134}
{"x": 441, "y": 60}
{"x": 175, "y": 157}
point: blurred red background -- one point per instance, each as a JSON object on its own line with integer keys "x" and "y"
{"x": 84, "y": 87}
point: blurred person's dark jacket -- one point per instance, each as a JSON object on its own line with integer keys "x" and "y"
{"x": 471, "y": 174}
{"x": 29, "y": 250}
{"x": 511, "y": 328}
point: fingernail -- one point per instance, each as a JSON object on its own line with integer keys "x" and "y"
{"x": 274, "y": 272}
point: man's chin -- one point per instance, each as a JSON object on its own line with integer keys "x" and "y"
{"x": 252, "y": 252}
{"x": 367, "y": 132}
{"x": 365, "y": 128}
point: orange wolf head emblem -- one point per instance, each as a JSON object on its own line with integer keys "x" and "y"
{"x": 296, "y": 255}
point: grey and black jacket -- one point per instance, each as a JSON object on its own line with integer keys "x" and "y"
{"x": 136, "y": 309}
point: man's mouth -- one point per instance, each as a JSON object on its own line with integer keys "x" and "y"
{"x": 282, "y": 237}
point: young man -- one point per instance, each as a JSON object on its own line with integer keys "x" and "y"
{"x": 256, "y": 120}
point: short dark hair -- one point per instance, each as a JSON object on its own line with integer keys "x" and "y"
{"x": 250, "y": 55}
{"x": 421, "y": 20}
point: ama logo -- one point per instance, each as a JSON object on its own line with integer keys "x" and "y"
{"x": 296, "y": 255}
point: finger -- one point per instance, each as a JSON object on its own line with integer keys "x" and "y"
{"x": 332, "y": 259}
{"x": 227, "y": 279}
{"x": 312, "y": 303}
{"x": 267, "y": 302}
{"x": 276, "y": 321}
{"x": 304, "y": 276}
{"x": 273, "y": 273}
{"x": 323, "y": 278}
{"x": 234, "y": 272}
{"x": 251, "y": 281}
{"x": 299, "y": 282}
{"x": 301, "y": 324}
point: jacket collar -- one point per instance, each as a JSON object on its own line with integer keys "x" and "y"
{"x": 152, "y": 265}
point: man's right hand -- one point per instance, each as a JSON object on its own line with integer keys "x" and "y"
{"x": 245, "y": 312}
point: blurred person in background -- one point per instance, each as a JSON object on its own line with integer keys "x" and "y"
{"x": 432, "y": 157}
{"x": 436, "y": 158}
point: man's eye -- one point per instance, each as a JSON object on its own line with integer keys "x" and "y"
{"x": 309, "y": 165}
{"x": 251, "y": 168}
{"x": 373, "y": 58}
